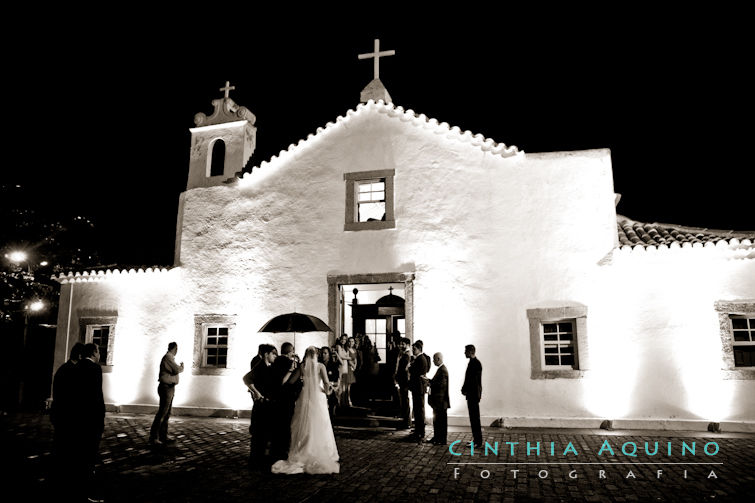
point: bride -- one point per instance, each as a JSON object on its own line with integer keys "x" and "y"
{"x": 313, "y": 445}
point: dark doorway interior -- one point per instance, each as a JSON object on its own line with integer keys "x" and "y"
{"x": 377, "y": 321}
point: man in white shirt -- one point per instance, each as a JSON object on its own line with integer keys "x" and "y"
{"x": 168, "y": 379}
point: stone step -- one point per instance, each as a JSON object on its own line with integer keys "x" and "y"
{"x": 370, "y": 421}
{"x": 356, "y": 422}
{"x": 353, "y": 411}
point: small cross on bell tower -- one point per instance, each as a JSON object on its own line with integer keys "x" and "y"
{"x": 228, "y": 87}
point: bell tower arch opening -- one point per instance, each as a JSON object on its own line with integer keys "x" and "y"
{"x": 221, "y": 144}
{"x": 217, "y": 159}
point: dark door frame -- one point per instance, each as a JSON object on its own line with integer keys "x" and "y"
{"x": 335, "y": 281}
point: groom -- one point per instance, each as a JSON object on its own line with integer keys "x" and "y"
{"x": 285, "y": 388}
{"x": 259, "y": 382}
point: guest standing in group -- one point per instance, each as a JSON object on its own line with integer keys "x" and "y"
{"x": 258, "y": 357}
{"x": 418, "y": 387}
{"x": 282, "y": 392}
{"x": 472, "y": 390}
{"x": 401, "y": 380}
{"x": 369, "y": 368}
{"x": 63, "y": 417}
{"x": 330, "y": 361}
{"x": 252, "y": 364}
{"x": 354, "y": 363}
{"x": 344, "y": 358}
{"x": 91, "y": 414}
{"x": 166, "y": 390}
{"x": 439, "y": 401}
{"x": 259, "y": 381}
{"x": 421, "y": 346}
{"x": 391, "y": 360}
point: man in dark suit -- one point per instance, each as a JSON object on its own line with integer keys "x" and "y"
{"x": 63, "y": 418}
{"x": 252, "y": 365}
{"x": 418, "y": 387}
{"x": 421, "y": 346}
{"x": 472, "y": 390}
{"x": 259, "y": 427}
{"x": 258, "y": 357}
{"x": 439, "y": 401}
{"x": 283, "y": 392}
{"x": 401, "y": 378}
{"x": 90, "y": 404}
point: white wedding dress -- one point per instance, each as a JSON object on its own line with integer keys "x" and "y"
{"x": 313, "y": 445}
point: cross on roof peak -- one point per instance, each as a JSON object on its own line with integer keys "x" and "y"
{"x": 376, "y": 54}
{"x": 228, "y": 87}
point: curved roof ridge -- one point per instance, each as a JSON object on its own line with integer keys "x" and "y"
{"x": 101, "y": 274}
{"x": 477, "y": 140}
{"x": 687, "y": 228}
{"x": 634, "y": 233}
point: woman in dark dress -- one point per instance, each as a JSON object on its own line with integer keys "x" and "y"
{"x": 330, "y": 360}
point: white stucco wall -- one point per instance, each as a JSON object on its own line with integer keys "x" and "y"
{"x": 655, "y": 330}
{"x": 487, "y": 238}
{"x": 154, "y": 309}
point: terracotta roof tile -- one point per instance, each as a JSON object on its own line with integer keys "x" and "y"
{"x": 634, "y": 233}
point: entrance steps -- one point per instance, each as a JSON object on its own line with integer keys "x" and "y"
{"x": 371, "y": 415}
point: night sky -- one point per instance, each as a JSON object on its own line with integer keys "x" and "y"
{"x": 100, "y": 112}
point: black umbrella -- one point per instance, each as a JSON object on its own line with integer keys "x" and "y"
{"x": 295, "y": 322}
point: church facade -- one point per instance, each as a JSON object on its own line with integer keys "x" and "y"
{"x": 579, "y": 315}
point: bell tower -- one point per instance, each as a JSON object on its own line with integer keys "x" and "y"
{"x": 222, "y": 143}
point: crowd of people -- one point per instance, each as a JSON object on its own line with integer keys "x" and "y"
{"x": 282, "y": 413}
{"x": 294, "y": 403}
{"x": 358, "y": 362}
{"x": 291, "y": 429}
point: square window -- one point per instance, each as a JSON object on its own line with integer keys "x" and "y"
{"x": 557, "y": 344}
{"x": 215, "y": 346}
{"x": 99, "y": 331}
{"x": 213, "y": 337}
{"x": 743, "y": 340}
{"x": 556, "y": 335}
{"x": 736, "y": 322}
{"x": 369, "y": 200}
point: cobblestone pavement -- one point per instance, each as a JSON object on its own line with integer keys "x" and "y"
{"x": 208, "y": 463}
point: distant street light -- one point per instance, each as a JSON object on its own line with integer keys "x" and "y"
{"x": 43, "y": 263}
{"x": 36, "y": 306}
{"x": 17, "y": 256}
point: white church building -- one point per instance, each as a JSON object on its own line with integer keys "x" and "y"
{"x": 579, "y": 315}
